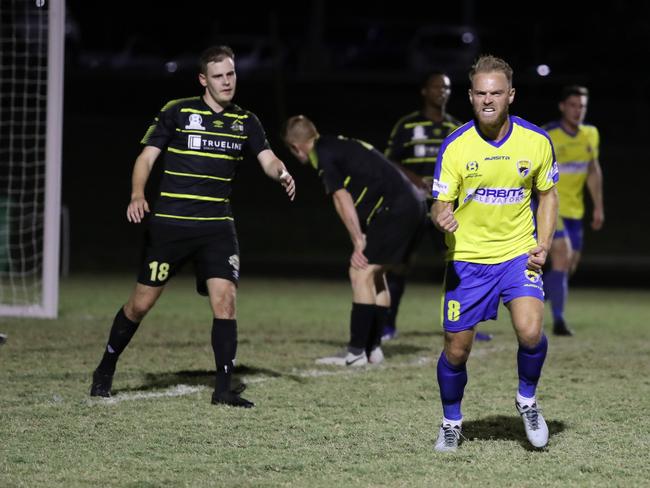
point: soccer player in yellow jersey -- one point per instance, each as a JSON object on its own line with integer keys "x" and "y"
{"x": 490, "y": 168}
{"x": 576, "y": 148}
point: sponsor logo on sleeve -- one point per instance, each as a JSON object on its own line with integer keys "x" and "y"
{"x": 553, "y": 174}
{"x": 440, "y": 187}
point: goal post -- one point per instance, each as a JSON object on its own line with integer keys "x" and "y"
{"x": 32, "y": 63}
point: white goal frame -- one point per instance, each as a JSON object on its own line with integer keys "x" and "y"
{"x": 49, "y": 306}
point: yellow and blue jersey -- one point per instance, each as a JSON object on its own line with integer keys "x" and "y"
{"x": 574, "y": 153}
{"x": 493, "y": 183}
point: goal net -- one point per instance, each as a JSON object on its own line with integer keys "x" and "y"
{"x": 31, "y": 83}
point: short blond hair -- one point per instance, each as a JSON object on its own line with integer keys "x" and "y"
{"x": 299, "y": 129}
{"x": 489, "y": 64}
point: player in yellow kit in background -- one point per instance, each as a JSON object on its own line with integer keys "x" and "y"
{"x": 576, "y": 148}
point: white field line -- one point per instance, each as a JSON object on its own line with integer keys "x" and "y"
{"x": 174, "y": 391}
{"x": 183, "y": 390}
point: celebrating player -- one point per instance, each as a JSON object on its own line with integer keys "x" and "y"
{"x": 490, "y": 167}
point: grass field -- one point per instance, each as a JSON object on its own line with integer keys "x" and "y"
{"x": 314, "y": 426}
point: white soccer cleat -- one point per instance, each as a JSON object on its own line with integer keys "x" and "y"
{"x": 376, "y": 356}
{"x": 534, "y": 423}
{"x": 448, "y": 437}
{"x": 345, "y": 358}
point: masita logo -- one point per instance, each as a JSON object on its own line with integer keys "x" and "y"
{"x": 495, "y": 196}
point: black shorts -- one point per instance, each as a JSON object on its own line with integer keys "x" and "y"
{"x": 394, "y": 231}
{"x": 214, "y": 252}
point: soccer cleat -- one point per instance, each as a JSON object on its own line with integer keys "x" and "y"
{"x": 345, "y": 358}
{"x": 232, "y": 398}
{"x": 388, "y": 333}
{"x": 376, "y": 356}
{"x": 101, "y": 385}
{"x": 560, "y": 328}
{"x": 481, "y": 336}
{"x": 534, "y": 423}
{"x": 448, "y": 438}
{"x": 3, "y": 339}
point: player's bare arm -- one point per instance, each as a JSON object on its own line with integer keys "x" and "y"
{"x": 442, "y": 216}
{"x": 348, "y": 214}
{"x": 595, "y": 186}
{"x": 546, "y": 222}
{"x": 276, "y": 170}
{"x": 138, "y": 205}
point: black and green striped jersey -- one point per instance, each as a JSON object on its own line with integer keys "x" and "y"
{"x": 371, "y": 179}
{"x": 415, "y": 140}
{"x": 202, "y": 149}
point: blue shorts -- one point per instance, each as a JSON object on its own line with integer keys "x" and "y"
{"x": 472, "y": 291}
{"x": 571, "y": 228}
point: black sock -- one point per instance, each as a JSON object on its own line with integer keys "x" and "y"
{"x": 381, "y": 319}
{"x": 224, "y": 345}
{"x": 121, "y": 333}
{"x": 361, "y": 320}
{"x": 396, "y": 284}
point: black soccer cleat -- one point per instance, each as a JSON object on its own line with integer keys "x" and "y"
{"x": 3, "y": 339}
{"x": 101, "y": 385}
{"x": 232, "y": 398}
{"x": 560, "y": 328}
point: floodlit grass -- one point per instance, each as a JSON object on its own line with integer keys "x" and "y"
{"x": 314, "y": 425}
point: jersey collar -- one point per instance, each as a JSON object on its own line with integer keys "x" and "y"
{"x": 490, "y": 141}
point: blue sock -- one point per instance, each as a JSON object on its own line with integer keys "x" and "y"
{"x": 451, "y": 380}
{"x": 556, "y": 289}
{"x": 529, "y": 367}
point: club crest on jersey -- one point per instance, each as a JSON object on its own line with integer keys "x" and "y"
{"x": 532, "y": 276}
{"x": 237, "y": 126}
{"x": 523, "y": 167}
{"x": 194, "y": 122}
{"x": 418, "y": 133}
{"x": 472, "y": 166}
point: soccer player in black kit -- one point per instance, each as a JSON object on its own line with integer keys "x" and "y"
{"x": 381, "y": 211}
{"x": 203, "y": 139}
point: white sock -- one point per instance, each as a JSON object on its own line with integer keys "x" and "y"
{"x": 452, "y": 422}
{"x": 521, "y": 400}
